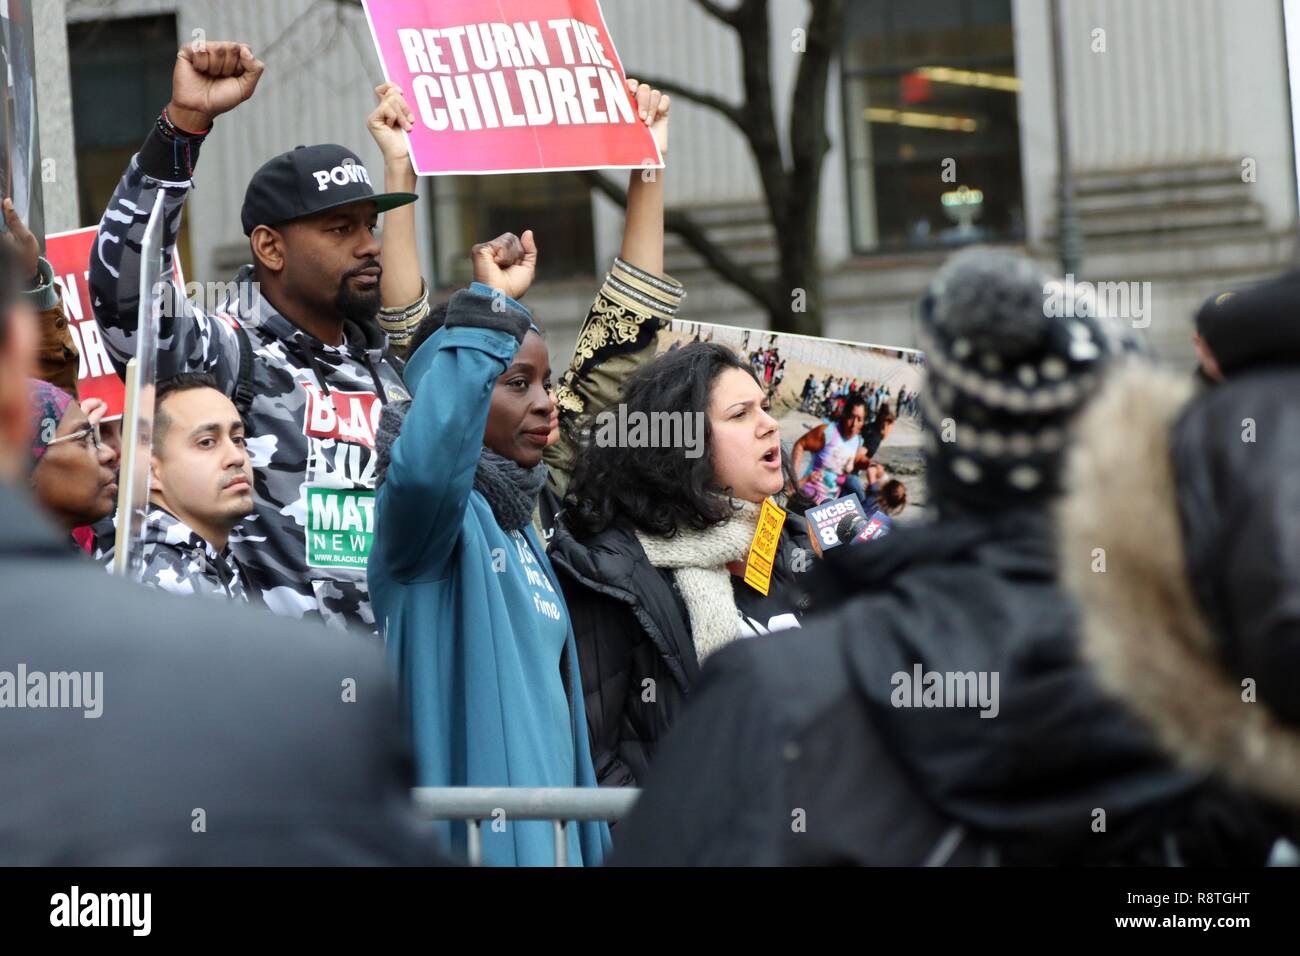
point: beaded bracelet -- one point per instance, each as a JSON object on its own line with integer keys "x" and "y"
{"x": 182, "y": 141}
{"x": 172, "y": 131}
{"x": 400, "y": 323}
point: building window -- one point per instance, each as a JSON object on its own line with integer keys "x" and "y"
{"x": 121, "y": 79}
{"x": 470, "y": 209}
{"x": 930, "y": 89}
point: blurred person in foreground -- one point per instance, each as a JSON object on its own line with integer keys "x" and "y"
{"x": 1195, "y": 624}
{"x": 1238, "y": 330}
{"x": 941, "y": 715}
{"x": 151, "y": 735}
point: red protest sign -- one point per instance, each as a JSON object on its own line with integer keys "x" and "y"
{"x": 508, "y": 86}
{"x": 68, "y": 254}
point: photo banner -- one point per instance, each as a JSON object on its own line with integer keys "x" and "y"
{"x": 809, "y": 383}
{"x": 68, "y": 254}
{"x": 20, "y": 144}
{"x": 510, "y": 86}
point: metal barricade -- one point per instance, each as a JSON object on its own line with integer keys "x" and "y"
{"x": 559, "y": 805}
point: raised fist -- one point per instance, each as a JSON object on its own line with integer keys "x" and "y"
{"x": 507, "y": 263}
{"x": 210, "y": 79}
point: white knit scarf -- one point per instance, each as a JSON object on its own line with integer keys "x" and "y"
{"x": 698, "y": 560}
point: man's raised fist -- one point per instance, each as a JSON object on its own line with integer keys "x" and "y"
{"x": 211, "y": 79}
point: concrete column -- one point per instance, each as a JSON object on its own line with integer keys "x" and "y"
{"x": 54, "y": 106}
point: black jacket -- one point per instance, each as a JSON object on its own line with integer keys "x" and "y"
{"x": 223, "y": 734}
{"x": 634, "y": 641}
{"x": 1196, "y": 622}
{"x": 794, "y": 751}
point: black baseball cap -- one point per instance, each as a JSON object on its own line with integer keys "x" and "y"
{"x": 308, "y": 180}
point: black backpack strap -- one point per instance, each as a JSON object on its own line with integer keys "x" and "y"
{"x": 243, "y": 397}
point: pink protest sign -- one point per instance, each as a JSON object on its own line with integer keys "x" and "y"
{"x": 510, "y": 86}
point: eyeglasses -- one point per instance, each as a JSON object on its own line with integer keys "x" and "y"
{"x": 91, "y": 430}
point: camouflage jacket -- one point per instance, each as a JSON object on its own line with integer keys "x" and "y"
{"x": 311, "y": 424}
{"x": 176, "y": 559}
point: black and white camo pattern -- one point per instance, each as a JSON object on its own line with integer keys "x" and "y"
{"x": 305, "y": 433}
{"x": 178, "y": 560}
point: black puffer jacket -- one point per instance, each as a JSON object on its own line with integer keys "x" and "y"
{"x": 795, "y": 751}
{"x": 634, "y": 641}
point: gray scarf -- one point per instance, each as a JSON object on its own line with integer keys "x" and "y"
{"x": 698, "y": 560}
{"x": 510, "y": 489}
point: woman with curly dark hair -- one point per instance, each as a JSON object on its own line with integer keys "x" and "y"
{"x": 653, "y": 557}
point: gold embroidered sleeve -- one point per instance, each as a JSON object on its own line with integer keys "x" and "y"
{"x": 619, "y": 336}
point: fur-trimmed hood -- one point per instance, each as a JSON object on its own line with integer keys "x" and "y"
{"x": 1124, "y": 558}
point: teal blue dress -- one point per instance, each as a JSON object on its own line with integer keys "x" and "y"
{"x": 473, "y": 617}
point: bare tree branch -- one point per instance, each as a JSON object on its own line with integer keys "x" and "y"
{"x": 732, "y": 270}
{"x": 729, "y": 16}
{"x": 759, "y": 123}
{"x": 694, "y": 235}
{"x": 808, "y": 140}
{"x": 730, "y": 111}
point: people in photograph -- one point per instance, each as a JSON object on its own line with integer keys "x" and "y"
{"x": 833, "y": 448}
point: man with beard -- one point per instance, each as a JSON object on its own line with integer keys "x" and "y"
{"x": 295, "y": 342}
{"x": 201, "y": 487}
